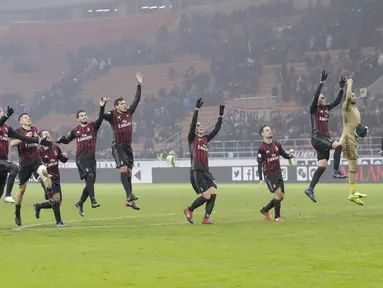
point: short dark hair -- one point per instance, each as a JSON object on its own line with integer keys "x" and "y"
{"x": 117, "y": 101}
{"x": 261, "y": 129}
{"x": 78, "y": 113}
{"x": 21, "y": 115}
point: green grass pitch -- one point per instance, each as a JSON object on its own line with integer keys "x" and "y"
{"x": 333, "y": 243}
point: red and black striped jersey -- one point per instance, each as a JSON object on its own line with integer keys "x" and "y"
{"x": 122, "y": 123}
{"x": 28, "y": 152}
{"x": 86, "y": 138}
{"x": 268, "y": 158}
{"x": 51, "y": 158}
{"x": 4, "y": 144}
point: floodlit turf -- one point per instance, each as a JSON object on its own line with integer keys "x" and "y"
{"x": 333, "y": 243}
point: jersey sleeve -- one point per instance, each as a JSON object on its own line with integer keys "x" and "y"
{"x": 61, "y": 156}
{"x": 260, "y": 160}
{"x": 314, "y": 104}
{"x": 15, "y": 134}
{"x": 282, "y": 152}
{"x": 108, "y": 117}
{"x": 136, "y": 101}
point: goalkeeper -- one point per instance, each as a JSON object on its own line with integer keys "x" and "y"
{"x": 352, "y": 129}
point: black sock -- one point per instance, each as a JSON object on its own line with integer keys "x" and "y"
{"x": 56, "y": 212}
{"x": 210, "y": 205}
{"x": 277, "y": 208}
{"x": 130, "y": 182}
{"x": 318, "y": 173}
{"x": 10, "y": 183}
{"x": 269, "y": 206}
{"x": 337, "y": 154}
{"x": 84, "y": 196}
{"x": 18, "y": 208}
{"x": 125, "y": 183}
{"x": 45, "y": 205}
{"x": 197, "y": 202}
{"x": 2, "y": 186}
{"x": 90, "y": 187}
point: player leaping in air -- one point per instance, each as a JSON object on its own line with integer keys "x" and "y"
{"x": 201, "y": 179}
{"x": 86, "y": 137}
{"x": 7, "y": 167}
{"x": 320, "y": 138}
{"x": 268, "y": 159}
{"x": 352, "y": 129}
{"x": 30, "y": 162}
{"x": 120, "y": 120}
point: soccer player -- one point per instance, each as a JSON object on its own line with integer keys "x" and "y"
{"x": 320, "y": 138}
{"x": 201, "y": 179}
{"x": 120, "y": 120}
{"x": 86, "y": 136}
{"x": 30, "y": 162}
{"x": 51, "y": 157}
{"x": 351, "y": 121}
{"x": 268, "y": 159}
{"x": 8, "y": 168}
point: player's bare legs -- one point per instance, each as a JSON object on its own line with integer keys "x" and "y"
{"x": 126, "y": 180}
{"x": 274, "y": 203}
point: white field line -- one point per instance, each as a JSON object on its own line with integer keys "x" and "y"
{"x": 37, "y": 226}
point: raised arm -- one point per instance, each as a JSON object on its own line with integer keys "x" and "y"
{"x": 314, "y": 104}
{"x": 338, "y": 99}
{"x": 97, "y": 123}
{"x": 6, "y": 115}
{"x": 347, "y": 102}
{"x": 218, "y": 125}
{"x": 137, "y": 97}
{"x": 66, "y": 140}
{"x": 193, "y": 124}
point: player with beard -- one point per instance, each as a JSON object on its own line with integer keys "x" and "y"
{"x": 201, "y": 179}
{"x": 349, "y": 139}
{"x": 30, "y": 162}
{"x": 268, "y": 158}
{"x": 320, "y": 138}
{"x": 51, "y": 157}
{"x": 86, "y": 137}
{"x": 120, "y": 119}
{"x": 8, "y": 169}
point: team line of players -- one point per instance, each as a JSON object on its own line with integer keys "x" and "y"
{"x": 43, "y": 162}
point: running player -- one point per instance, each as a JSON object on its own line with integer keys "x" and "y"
{"x": 51, "y": 157}
{"x": 320, "y": 139}
{"x": 86, "y": 136}
{"x": 268, "y": 159}
{"x": 201, "y": 179}
{"x": 8, "y": 169}
{"x": 351, "y": 120}
{"x": 120, "y": 120}
{"x": 30, "y": 162}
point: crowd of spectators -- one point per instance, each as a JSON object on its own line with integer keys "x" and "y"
{"x": 237, "y": 45}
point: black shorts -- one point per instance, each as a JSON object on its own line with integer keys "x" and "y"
{"x": 274, "y": 182}
{"x": 86, "y": 167}
{"x": 26, "y": 172}
{"x": 322, "y": 145}
{"x": 123, "y": 155}
{"x": 202, "y": 181}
